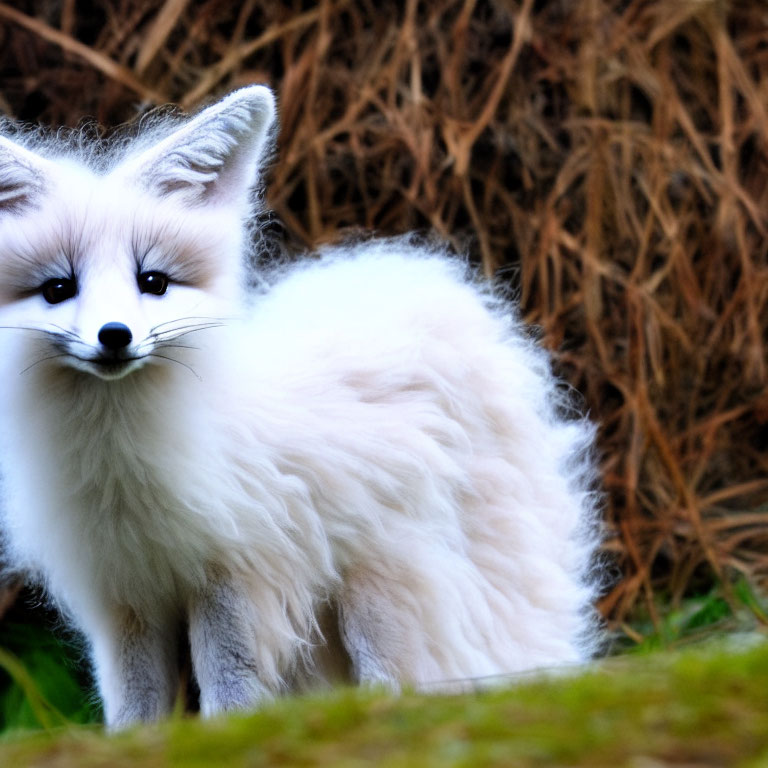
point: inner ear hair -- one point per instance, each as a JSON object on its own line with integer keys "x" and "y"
{"x": 20, "y": 180}
{"x": 216, "y": 154}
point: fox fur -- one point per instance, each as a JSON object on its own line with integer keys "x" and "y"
{"x": 363, "y": 471}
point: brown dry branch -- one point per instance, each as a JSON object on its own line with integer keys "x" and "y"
{"x": 607, "y": 158}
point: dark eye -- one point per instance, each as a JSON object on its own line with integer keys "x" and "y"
{"x": 58, "y": 289}
{"x": 153, "y": 282}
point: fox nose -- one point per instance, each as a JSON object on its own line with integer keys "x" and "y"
{"x": 115, "y": 336}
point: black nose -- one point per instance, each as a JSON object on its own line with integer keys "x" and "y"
{"x": 115, "y": 336}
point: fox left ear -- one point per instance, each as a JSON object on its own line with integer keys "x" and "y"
{"x": 23, "y": 176}
{"x": 216, "y": 156}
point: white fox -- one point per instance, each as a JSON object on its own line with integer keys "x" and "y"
{"x": 361, "y": 472}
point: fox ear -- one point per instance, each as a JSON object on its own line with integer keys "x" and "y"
{"x": 216, "y": 156}
{"x": 22, "y": 176}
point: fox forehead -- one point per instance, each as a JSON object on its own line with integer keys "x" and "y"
{"x": 88, "y": 222}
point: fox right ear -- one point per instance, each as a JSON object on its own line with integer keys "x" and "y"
{"x": 216, "y": 156}
{"x": 22, "y": 176}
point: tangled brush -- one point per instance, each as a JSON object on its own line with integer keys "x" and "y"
{"x": 607, "y": 158}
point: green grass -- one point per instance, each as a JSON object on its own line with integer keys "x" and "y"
{"x": 41, "y": 679}
{"x": 690, "y": 689}
{"x": 724, "y": 610}
{"x": 704, "y": 706}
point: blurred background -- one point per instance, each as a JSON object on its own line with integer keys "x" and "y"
{"x": 605, "y": 159}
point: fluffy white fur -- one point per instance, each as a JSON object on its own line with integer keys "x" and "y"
{"x": 366, "y": 473}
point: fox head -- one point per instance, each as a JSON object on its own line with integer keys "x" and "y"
{"x": 108, "y": 264}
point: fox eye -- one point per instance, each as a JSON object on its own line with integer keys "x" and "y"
{"x": 58, "y": 289}
{"x": 153, "y": 282}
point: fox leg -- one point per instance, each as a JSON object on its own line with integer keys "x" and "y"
{"x": 222, "y": 640}
{"x": 381, "y": 631}
{"x": 136, "y": 667}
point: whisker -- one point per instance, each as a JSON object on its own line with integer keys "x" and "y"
{"x": 178, "y": 324}
{"x": 59, "y": 333}
{"x": 34, "y": 328}
{"x": 186, "y": 327}
{"x": 69, "y": 334}
{"x": 190, "y": 317}
{"x": 149, "y": 344}
{"x": 174, "y": 360}
{"x": 174, "y": 334}
{"x": 169, "y": 345}
{"x": 42, "y": 360}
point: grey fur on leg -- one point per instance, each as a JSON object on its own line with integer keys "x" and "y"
{"x": 138, "y": 674}
{"x": 370, "y": 635}
{"x": 222, "y": 642}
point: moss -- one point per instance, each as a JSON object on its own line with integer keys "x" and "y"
{"x": 702, "y": 706}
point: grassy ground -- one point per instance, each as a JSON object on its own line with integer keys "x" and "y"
{"x": 688, "y": 689}
{"x": 700, "y": 707}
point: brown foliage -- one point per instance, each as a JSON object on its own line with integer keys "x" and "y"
{"x": 609, "y": 157}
